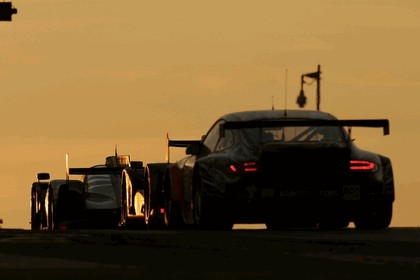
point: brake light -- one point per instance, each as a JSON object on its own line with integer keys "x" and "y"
{"x": 250, "y": 166}
{"x": 362, "y": 165}
{"x": 247, "y": 167}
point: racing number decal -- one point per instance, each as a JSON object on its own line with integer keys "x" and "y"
{"x": 351, "y": 192}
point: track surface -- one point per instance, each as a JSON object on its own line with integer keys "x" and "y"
{"x": 240, "y": 254}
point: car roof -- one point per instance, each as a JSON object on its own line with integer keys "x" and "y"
{"x": 277, "y": 114}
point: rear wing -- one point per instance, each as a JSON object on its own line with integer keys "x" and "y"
{"x": 178, "y": 144}
{"x": 93, "y": 170}
{"x": 381, "y": 123}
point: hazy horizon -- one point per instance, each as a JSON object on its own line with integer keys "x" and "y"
{"x": 81, "y": 77}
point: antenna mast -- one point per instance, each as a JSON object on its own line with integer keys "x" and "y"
{"x": 272, "y": 102}
{"x": 285, "y": 95}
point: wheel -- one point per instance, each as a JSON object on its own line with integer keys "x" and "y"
{"x": 153, "y": 200}
{"x": 139, "y": 219}
{"x": 123, "y": 218}
{"x": 50, "y": 212}
{"x": 35, "y": 216}
{"x": 377, "y": 216}
{"x": 172, "y": 216}
{"x": 147, "y": 198}
{"x": 208, "y": 210}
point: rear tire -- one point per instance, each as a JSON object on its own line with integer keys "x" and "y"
{"x": 375, "y": 217}
{"x": 147, "y": 198}
{"x": 153, "y": 196}
{"x": 378, "y": 215}
{"x": 51, "y": 215}
{"x": 35, "y": 218}
{"x": 208, "y": 210}
{"x": 173, "y": 216}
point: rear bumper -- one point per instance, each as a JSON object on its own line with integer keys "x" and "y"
{"x": 255, "y": 205}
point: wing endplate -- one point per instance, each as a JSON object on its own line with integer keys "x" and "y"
{"x": 177, "y": 144}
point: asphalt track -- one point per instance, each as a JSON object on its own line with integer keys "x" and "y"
{"x": 240, "y": 254}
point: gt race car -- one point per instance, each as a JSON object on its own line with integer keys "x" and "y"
{"x": 286, "y": 169}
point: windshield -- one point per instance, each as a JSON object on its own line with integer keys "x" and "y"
{"x": 99, "y": 181}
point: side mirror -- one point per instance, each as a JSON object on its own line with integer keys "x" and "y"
{"x": 136, "y": 164}
{"x": 43, "y": 176}
{"x": 193, "y": 149}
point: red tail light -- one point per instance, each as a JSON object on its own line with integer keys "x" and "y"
{"x": 247, "y": 167}
{"x": 250, "y": 166}
{"x": 363, "y": 165}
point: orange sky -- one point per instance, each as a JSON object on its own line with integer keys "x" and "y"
{"x": 79, "y": 77}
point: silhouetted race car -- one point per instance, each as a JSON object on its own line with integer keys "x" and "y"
{"x": 57, "y": 203}
{"x": 39, "y": 202}
{"x": 66, "y": 204}
{"x": 113, "y": 193}
{"x": 285, "y": 169}
{"x": 106, "y": 196}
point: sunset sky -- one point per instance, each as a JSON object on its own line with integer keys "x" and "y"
{"x": 80, "y": 77}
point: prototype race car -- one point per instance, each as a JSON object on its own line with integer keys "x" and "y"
{"x": 57, "y": 203}
{"x": 285, "y": 169}
{"x": 113, "y": 193}
{"x": 39, "y": 202}
{"x": 106, "y": 196}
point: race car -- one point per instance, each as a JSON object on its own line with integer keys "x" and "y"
{"x": 66, "y": 204}
{"x": 154, "y": 188}
{"x": 287, "y": 169}
{"x": 113, "y": 195}
{"x": 39, "y": 202}
{"x": 57, "y": 203}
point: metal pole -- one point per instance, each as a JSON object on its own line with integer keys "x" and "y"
{"x": 301, "y": 100}
{"x": 318, "y": 89}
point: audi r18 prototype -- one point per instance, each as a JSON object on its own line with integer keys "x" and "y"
{"x": 113, "y": 192}
{"x": 285, "y": 169}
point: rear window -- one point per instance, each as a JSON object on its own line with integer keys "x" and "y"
{"x": 325, "y": 134}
